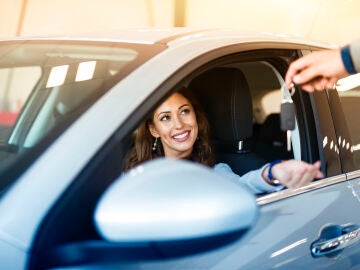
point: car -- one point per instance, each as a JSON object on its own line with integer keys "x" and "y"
{"x": 69, "y": 109}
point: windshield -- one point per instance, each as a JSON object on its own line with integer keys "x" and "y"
{"x": 46, "y": 85}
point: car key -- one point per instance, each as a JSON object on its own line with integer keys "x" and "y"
{"x": 287, "y": 118}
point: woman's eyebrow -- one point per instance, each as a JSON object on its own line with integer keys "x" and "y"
{"x": 164, "y": 112}
{"x": 186, "y": 104}
{"x": 167, "y": 112}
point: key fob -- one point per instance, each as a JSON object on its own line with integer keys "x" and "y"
{"x": 287, "y": 116}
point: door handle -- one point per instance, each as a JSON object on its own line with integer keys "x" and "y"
{"x": 334, "y": 238}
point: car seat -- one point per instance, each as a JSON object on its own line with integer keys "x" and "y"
{"x": 271, "y": 142}
{"x": 225, "y": 95}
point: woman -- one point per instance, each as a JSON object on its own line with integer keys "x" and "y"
{"x": 179, "y": 129}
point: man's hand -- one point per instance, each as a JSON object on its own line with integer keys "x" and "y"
{"x": 316, "y": 71}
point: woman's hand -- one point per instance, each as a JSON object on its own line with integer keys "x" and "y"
{"x": 294, "y": 173}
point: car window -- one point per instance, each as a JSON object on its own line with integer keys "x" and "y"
{"x": 267, "y": 95}
{"x": 46, "y": 85}
{"x": 349, "y": 95}
{"x": 16, "y": 84}
{"x": 249, "y": 136}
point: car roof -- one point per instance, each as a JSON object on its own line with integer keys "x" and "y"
{"x": 177, "y": 35}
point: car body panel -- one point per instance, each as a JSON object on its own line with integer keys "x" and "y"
{"x": 181, "y": 35}
{"x": 270, "y": 244}
{"x": 12, "y": 256}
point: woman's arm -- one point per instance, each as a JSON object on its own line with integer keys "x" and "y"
{"x": 289, "y": 173}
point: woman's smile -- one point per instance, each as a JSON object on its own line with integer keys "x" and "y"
{"x": 181, "y": 136}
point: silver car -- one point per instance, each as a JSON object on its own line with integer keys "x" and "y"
{"x": 69, "y": 107}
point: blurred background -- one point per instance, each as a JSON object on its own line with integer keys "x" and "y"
{"x": 323, "y": 20}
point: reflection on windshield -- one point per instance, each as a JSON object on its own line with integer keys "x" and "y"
{"x": 45, "y": 86}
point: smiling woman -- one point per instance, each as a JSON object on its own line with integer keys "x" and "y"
{"x": 178, "y": 129}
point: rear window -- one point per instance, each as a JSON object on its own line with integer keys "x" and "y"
{"x": 350, "y": 101}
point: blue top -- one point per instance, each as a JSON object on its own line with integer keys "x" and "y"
{"x": 252, "y": 179}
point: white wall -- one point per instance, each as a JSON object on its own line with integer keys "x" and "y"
{"x": 42, "y": 17}
{"x": 334, "y": 21}
{"x": 326, "y": 20}
{"x": 9, "y": 17}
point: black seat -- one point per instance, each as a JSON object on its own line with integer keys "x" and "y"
{"x": 225, "y": 96}
{"x": 271, "y": 142}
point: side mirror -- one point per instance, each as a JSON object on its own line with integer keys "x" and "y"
{"x": 173, "y": 200}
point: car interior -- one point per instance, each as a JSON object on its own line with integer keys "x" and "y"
{"x": 240, "y": 139}
{"x": 244, "y": 114}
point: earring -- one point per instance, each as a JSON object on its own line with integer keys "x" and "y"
{"x": 155, "y": 144}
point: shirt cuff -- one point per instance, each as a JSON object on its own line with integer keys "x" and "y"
{"x": 265, "y": 185}
{"x": 347, "y": 60}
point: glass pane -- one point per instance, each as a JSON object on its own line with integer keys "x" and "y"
{"x": 349, "y": 93}
{"x": 45, "y": 86}
{"x": 15, "y": 86}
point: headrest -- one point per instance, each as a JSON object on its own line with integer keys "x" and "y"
{"x": 271, "y": 131}
{"x": 225, "y": 96}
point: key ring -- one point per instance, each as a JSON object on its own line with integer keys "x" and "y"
{"x": 292, "y": 89}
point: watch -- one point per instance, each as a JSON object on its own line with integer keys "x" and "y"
{"x": 270, "y": 175}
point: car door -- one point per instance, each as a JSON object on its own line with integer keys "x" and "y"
{"x": 295, "y": 229}
{"x": 310, "y": 227}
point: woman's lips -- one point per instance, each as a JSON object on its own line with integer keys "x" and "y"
{"x": 181, "y": 137}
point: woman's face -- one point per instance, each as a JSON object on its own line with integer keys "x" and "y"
{"x": 174, "y": 121}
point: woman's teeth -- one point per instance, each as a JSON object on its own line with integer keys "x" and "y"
{"x": 181, "y": 136}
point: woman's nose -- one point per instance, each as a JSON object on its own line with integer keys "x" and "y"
{"x": 178, "y": 123}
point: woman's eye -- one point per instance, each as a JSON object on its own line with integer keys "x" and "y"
{"x": 164, "y": 118}
{"x": 185, "y": 111}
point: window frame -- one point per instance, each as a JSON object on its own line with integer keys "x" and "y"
{"x": 342, "y": 131}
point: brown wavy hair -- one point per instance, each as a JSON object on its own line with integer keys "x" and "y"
{"x": 141, "y": 149}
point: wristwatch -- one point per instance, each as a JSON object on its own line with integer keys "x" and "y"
{"x": 270, "y": 176}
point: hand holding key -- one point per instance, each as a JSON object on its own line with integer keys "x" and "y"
{"x": 317, "y": 71}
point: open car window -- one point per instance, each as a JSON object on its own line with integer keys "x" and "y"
{"x": 242, "y": 105}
